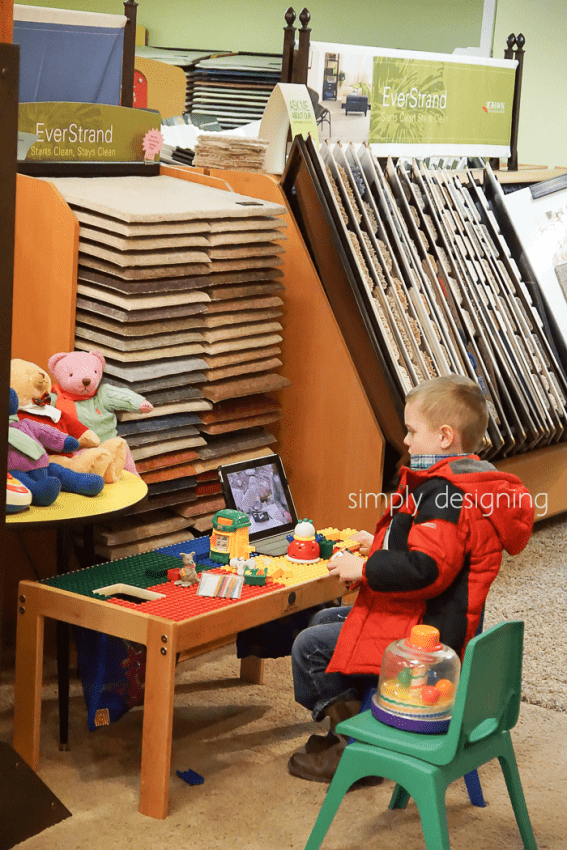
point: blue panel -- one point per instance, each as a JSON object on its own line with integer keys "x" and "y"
{"x": 77, "y": 64}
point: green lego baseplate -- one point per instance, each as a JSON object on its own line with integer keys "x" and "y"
{"x": 136, "y": 570}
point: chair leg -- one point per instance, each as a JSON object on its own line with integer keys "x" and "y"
{"x": 474, "y": 788}
{"x": 351, "y": 768}
{"x": 430, "y": 801}
{"x": 399, "y": 799}
{"x": 514, "y": 784}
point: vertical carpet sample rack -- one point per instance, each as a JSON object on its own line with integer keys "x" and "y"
{"x": 435, "y": 284}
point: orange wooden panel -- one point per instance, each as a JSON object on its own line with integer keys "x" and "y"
{"x": 45, "y": 272}
{"x": 6, "y": 21}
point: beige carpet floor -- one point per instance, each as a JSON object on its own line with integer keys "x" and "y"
{"x": 240, "y": 736}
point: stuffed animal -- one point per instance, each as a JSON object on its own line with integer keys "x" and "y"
{"x": 29, "y": 462}
{"x": 32, "y": 386}
{"x": 78, "y": 387}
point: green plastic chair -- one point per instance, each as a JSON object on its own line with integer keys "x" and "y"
{"x": 486, "y": 707}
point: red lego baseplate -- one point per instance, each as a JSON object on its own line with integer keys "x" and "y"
{"x": 182, "y": 603}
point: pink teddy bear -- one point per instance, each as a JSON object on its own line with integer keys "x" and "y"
{"x": 78, "y": 387}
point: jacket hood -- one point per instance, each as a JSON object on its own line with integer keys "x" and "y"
{"x": 500, "y": 497}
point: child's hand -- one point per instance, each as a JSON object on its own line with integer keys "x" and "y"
{"x": 346, "y": 567}
{"x": 366, "y": 539}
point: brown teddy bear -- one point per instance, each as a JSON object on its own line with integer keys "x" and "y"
{"x": 33, "y": 386}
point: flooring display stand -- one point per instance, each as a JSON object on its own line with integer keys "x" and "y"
{"x": 329, "y": 437}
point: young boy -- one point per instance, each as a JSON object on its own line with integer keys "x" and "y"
{"x": 434, "y": 555}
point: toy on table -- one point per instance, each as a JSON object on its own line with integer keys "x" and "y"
{"x": 18, "y": 497}
{"x": 35, "y": 469}
{"x": 221, "y": 586}
{"x": 418, "y": 683}
{"x": 303, "y": 544}
{"x": 33, "y": 386}
{"x": 230, "y": 536}
{"x": 187, "y": 574}
{"x": 78, "y": 387}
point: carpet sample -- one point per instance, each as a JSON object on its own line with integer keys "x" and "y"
{"x": 143, "y": 439}
{"x": 227, "y": 426}
{"x": 244, "y": 263}
{"x": 128, "y": 529}
{"x": 150, "y": 242}
{"x": 175, "y": 484}
{"x": 114, "y": 553}
{"x": 154, "y": 228}
{"x": 235, "y": 252}
{"x": 98, "y": 307}
{"x": 236, "y": 237}
{"x": 259, "y": 302}
{"x": 199, "y": 506}
{"x": 132, "y": 259}
{"x": 142, "y": 302}
{"x": 132, "y": 372}
{"x": 140, "y": 329}
{"x": 217, "y": 361}
{"x": 226, "y": 332}
{"x": 264, "y": 365}
{"x": 164, "y": 500}
{"x": 160, "y": 198}
{"x": 235, "y": 388}
{"x": 265, "y": 223}
{"x": 251, "y": 439}
{"x": 221, "y": 319}
{"x": 165, "y": 423}
{"x": 136, "y": 356}
{"x": 161, "y": 410}
{"x": 117, "y": 342}
{"x": 168, "y": 474}
{"x": 208, "y": 488}
{"x": 229, "y": 293}
{"x": 232, "y": 457}
{"x": 139, "y": 453}
{"x": 241, "y": 343}
{"x": 167, "y": 459}
{"x": 171, "y": 394}
{"x": 144, "y": 272}
{"x": 240, "y": 408}
{"x": 142, "y": 287}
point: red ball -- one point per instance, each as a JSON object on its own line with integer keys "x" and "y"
{"x": 430, "y": 695}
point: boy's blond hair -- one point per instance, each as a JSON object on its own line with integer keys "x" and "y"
{"x": 456, "y": 401}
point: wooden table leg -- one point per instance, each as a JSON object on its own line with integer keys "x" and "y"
{"x": 158, "y": 719}
{"x": 64, "y": 542}
{"x": 29, "y": 677}
{"x": 252, "y": 669}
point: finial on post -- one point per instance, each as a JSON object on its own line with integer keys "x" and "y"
{"x": 288, "y": 46}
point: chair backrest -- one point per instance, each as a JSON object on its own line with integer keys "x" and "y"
{"x": 488, "y": 696}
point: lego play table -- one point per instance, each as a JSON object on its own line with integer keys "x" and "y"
{"x": 176, "y": 621}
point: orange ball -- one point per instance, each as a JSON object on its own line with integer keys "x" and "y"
{"x": 430, "y": 695}
{"x": 445, "y": 687}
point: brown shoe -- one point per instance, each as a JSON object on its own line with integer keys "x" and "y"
{"x": 318, "y": 743}
{"x": 317, "y": 766}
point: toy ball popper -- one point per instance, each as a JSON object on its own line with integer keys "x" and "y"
{"x": 418, "y": 682}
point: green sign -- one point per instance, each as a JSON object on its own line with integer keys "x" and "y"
{"x": 89, "y": 132}
{"x": 444, "y": 107}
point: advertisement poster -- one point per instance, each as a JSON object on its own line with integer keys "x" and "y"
{"x": 86, "y": 132}
{"x": 412, "y": 103}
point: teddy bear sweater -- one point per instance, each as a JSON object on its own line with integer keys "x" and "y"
{"x": 97, "y": 412}
{"x": 49, "y": 437}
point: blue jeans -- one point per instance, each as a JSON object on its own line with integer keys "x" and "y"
{"x": 310, "y": 655}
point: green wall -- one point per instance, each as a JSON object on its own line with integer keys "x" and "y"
{"x": 256, "y": 25}
{"x": 543, "y": 112}
{"x": 435, "y": 25}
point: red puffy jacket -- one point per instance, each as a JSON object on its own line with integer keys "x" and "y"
{"x": 436, "y": 552}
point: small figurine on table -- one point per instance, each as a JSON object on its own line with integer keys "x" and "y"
{"x": 187, "y": 574}
{"x": 303, "y": 545}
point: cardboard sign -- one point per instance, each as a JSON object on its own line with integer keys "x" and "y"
{"x": 288, "y": 108}
{"x": 87, "y": 132}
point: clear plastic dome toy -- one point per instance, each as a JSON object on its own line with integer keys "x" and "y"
{"x": 418, "y": 683}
